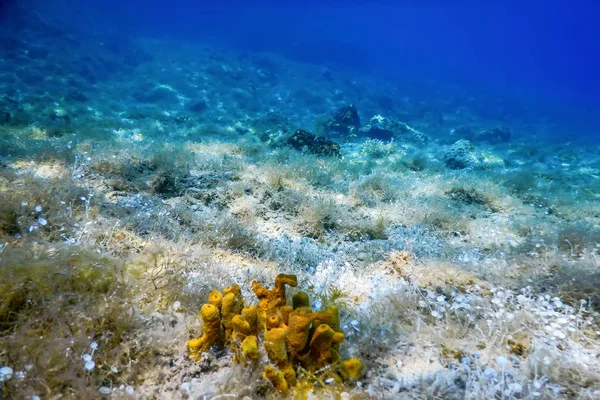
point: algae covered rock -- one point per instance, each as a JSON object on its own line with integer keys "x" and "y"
{"x": 492, "y": 135}
{"x": 461, "y": 155}
{"x": 345, "y": 122}
{"x": 11, "y": 111}
{"x": 384, "y": 128}
{"x": 310, "y": 143}
{"x": 271, "y": 127}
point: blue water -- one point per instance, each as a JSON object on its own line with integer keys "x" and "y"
{"x": 544, "y": 54}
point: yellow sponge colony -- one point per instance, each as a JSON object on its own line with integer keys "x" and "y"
{"x": 299, "y": 343}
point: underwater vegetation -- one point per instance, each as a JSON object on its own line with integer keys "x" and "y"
{"x": 66, "y": 325}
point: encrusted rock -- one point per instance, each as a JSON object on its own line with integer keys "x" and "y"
{"x": 271, "y": 127}
{"x": 383, "y": 128}
{"x": 492, "y": 135}
{"x": 345, "y": 122}
{"x": 311, "y": 143}
{"x": 461, "y": 155}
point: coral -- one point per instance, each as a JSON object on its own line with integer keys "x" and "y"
{"x": 232, "y": 305}
{"x": 250, "y": 348}
{"x": 298, "y": 330}
{"x": 516, "y": 347}
{"x": 270, "y": 299}
{"x": 351, "y": 369}
{"x": 277, "y": 379}
{"x": 215, "y": 298}
{"x": 211, "y": 318}
{"x": 300, "y": 300}
{"x": 302, "y": 346}
{"x": 322, "y": 350}
{"x": 276, "y": 346}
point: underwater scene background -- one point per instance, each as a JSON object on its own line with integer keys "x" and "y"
{"x": 310, "y": 200}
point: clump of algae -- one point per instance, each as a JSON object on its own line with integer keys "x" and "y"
{"x": 302, "y": 346}
{"x": 58, "y": 306}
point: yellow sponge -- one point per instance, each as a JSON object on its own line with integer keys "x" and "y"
{"x": 212, "y": 331}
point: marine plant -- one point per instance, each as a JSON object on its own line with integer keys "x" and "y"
{"x": 67, "y": 323}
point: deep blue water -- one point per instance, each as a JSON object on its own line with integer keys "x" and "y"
{"x": 546, "y": 52}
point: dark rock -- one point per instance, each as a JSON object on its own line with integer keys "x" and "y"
{"x": 467, "y": 196}
{"x": 386, "y": 129}
{"x": 168, "y": 183}
{"x": 11, "y": 111}
{"x": 158, "y": 94}
{"x": 199, "y": 106}
{"x": 11, "y": 47}
{"x": 345, "y": 122}
{"x": 37, "y": 52}
{"x": 492, "y": 135}
{"x": 75, "y": 95}
{"x": 127, "y": 51}
{"x": 311, "y": 143}
{"x": 327, "y": 74}
{"x": 385, "y": 102}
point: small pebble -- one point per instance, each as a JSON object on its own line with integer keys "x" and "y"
{"x": 177, "y": 306}
{"x": 501, "y": 361}
{"x": 515, "y": 387}
{"x": 185, "y": 387}
{"x": 5, "y": 373}
{"x": 104, "y": 390}
{"x": 489, "y": 373}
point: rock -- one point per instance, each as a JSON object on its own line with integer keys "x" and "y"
{"x": 10, "y": 110}
{"x": 345, "y": 122}
{"x": 492, "y": 135}
{"x": 157, "y": 94}
{"x": 386, "y": 129}
{"x": 198, "y": 106}
{"x": 311, "y": 143}
{"x": 461, "y": 155}
{"x": 126, "y": 50}
{"x": 76, "y": 96}
{"x": 271, "y": 127}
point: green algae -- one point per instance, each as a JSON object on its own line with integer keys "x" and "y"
{"x": 56, "y": 302}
